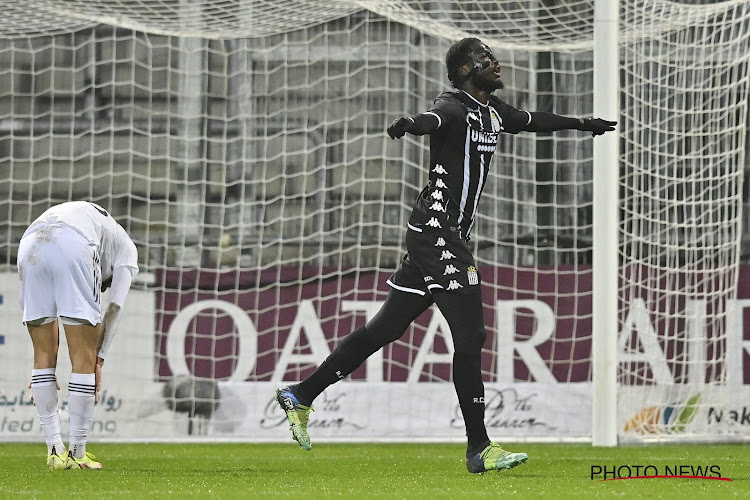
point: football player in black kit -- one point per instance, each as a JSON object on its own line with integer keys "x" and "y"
{"x": 439, "y": 266}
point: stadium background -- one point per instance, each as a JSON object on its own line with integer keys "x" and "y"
{"x": 246, "y": 156}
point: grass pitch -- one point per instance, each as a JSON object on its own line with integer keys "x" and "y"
{"x": 228, "y": 471}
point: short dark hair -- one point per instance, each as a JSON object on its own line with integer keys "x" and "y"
{"x": 458, "y": 55}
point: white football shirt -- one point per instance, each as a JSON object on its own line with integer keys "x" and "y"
{"x": 115, "y": 248}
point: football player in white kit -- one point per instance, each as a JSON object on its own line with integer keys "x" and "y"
{"x": 66, "y": 259}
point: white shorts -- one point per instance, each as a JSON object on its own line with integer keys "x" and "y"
{"x": 59, "y": 276}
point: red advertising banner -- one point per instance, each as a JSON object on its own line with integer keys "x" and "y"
{"x": 539, "y": 323}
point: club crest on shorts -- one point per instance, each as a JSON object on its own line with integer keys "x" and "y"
{"x": 471, "y": 273}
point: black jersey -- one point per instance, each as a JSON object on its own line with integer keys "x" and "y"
{"x": 461, "y": 149}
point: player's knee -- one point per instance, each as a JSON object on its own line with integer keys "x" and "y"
{"x": 384, "y": 329}
{"x": 386, "y": 337}
{"x": 481, "y": 336}
{"x": 470, "y": 341}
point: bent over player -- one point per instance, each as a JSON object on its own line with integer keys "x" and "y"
{"x": 66, "y": 259}
{"x": 439, "y": 267}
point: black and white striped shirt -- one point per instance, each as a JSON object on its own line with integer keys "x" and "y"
{"x": 461, "y": 149}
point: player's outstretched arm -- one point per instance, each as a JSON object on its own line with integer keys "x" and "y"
{"x": 420, "y": 124}
{"x": 542, "y": 121}
{"x": 596, "y": 126}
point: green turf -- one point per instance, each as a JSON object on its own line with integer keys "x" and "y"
{"x": 228, "y": 471}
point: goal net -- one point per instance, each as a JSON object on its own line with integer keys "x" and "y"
{"x": 242, "y": 145}
{"x": 684, "y": 128}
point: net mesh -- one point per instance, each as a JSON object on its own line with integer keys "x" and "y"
{"x": 685, "y": 132}
{"x": 242, "y": 145}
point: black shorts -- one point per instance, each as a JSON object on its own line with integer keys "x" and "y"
{"x": 436, "y": 260}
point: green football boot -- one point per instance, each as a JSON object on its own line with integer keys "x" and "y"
{"x": 87, "y": 462}
{"x": 55, "y": 461}
{"x": 297, "y": 414}
{"x": 493, "y": 457}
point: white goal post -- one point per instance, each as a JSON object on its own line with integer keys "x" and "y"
{"x": 242, "y": 144}
{"x": 605, "y": 254}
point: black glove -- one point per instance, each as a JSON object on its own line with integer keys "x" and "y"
{"x": 399, "y": 127}
{"x": 596, "y": 126}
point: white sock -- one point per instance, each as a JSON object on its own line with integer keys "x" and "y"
{"x": 44, "y": 390}
{"x": 81, "y": 407}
